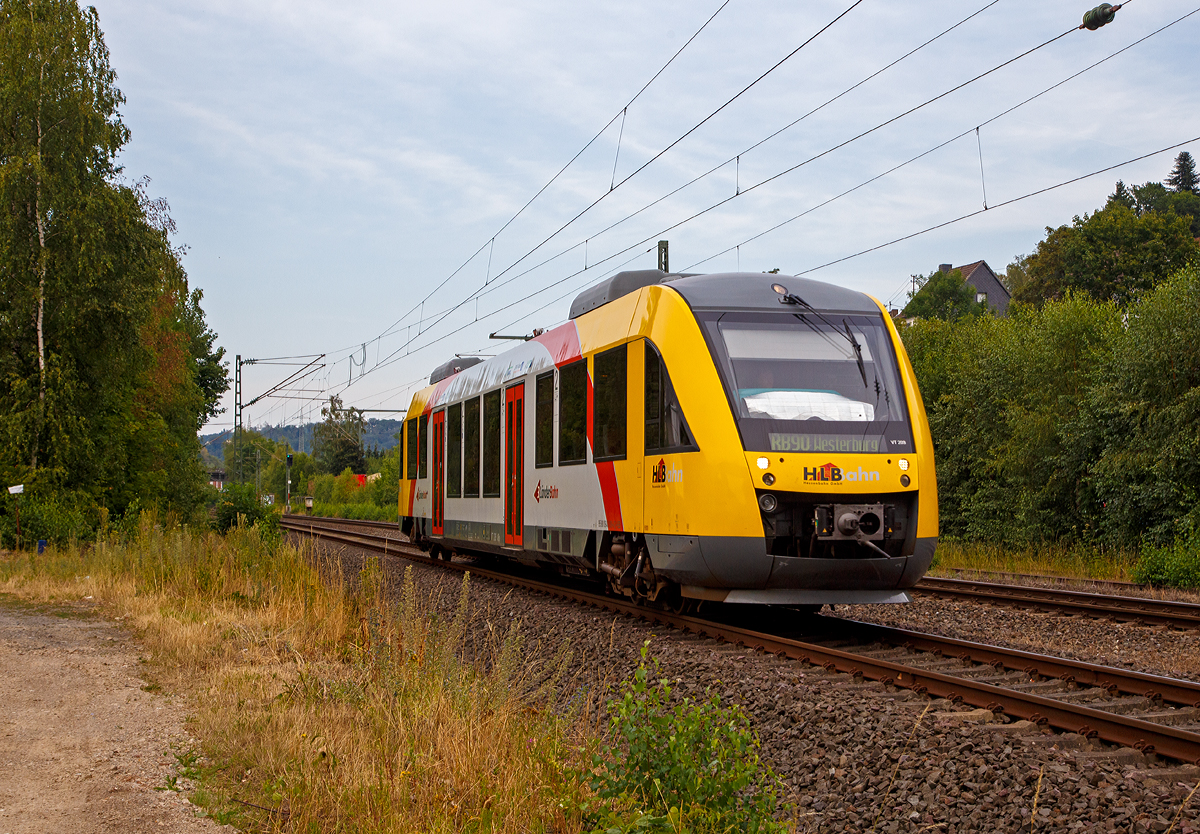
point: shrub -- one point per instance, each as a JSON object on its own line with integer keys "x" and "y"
{"x": 240, "y": 501}
{"x": 58, "y": 517}
{"x": 1176, "y": 565}
{"x": 691, "y": 765}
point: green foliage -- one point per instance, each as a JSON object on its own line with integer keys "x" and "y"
{"x": 238, "y": 505}
{"x": 52, "y": 515}
{"x": 1075, "y": 422}
{"x": 247, "y": 453}
{"x": 1139, "y": 426}
{"x": 944, "y": 295}
{"x": 679, "y": 766}
{"x": 1114, "y": 253}
{"x": 360, "y": 511}
{"x": 999, "y": 393}
{"x": 1183, "y": 175}
{"x": 1176, "y": 565}
{"x": 1154, "y": 196}
{"x": 338, "y": 440}
{"x": 108, "y": 365}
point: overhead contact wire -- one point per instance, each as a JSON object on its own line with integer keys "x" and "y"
{"x": 1005, "y": 203}
{"x": 570, "y": 162}
{"x": 949, "y": 141}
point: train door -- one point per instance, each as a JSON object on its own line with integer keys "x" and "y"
{"x": 514, "y": 465}
{"x": 438, "y": 496}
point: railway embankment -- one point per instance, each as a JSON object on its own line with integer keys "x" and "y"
{"x": 862, "y": 754}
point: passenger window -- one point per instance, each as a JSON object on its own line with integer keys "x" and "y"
{"x": 471, "y": 458}
{"x": 410, "y": 436}
{"x": 491, "y": 444}
{"x": 572, "y": 413}
{"x": 666, "y": 429}
{"x": 423, "y": 441}
{"x": 608, "y": 418}
{"x": 454, "y": 451}
{"x": 543, "y": 418}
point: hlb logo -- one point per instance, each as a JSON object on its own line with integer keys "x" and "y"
{"x": 660, "y": 475}
{"x": 540, "y": 492}
{"x": 832, "y": 474}
{"x": 828, "y": 472}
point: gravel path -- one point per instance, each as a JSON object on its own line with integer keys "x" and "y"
{"x": 83, "y": 748}
{"x": 855, "y": 756}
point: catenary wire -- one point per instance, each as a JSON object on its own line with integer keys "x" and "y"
{"x": 390, "y": 358}
{"x": 949, "y": 141}
{"x": 757, "y": 185}
{"x": 1001, "y": 205}
{"x": 569, "y": 163}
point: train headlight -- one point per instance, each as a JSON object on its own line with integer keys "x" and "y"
{"x": 768, "y": 479}
{"x": 768, "y": 502}
{"x": 903, "y": 465}
{"x": 763, "y": 463}
{"x": 905, "y": 480}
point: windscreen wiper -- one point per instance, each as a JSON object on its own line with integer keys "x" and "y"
{"x": 862, "y": 369}
{"x": 786, "y": 297}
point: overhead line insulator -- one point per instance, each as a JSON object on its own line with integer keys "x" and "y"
{"x": 1102, "y": 15}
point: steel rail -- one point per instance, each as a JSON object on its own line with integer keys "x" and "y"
{"x": 1128, "y": 609}
{"x": 1126, "y": 730}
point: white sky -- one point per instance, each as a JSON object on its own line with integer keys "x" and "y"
{"x": 330, "y": 164}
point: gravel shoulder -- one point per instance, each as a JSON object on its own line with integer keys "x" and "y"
{"x": 1153, "y": 649}
{"x": 83, "y": 747}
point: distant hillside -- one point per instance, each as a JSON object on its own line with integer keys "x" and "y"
{"x": 380, "y": 434}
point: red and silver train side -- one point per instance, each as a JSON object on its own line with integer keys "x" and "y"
{"x": 744, "y": 437}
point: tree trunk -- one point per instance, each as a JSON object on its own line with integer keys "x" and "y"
{"x": 41, "y": 229}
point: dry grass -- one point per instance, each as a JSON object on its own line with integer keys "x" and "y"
{"x": 320, "y": 700}
{"x": 1071, "y": 561}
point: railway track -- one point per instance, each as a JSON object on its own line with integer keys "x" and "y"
{"x": 1122, "y": 608}
{"x": 1151, "y": 713}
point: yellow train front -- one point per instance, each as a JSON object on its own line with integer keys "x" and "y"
{"x": 737, "y": 437}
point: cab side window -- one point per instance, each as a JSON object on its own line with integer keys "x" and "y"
{"x": 609, "y": 399}
{"x": 666, "y": 428}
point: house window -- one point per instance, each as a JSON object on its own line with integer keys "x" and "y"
{"x": 543, "y": 438}
{"x": 666, "y": 429}
{"x": 572, "y": 413}
{"x": 471, "y": 458}
{"x": 981, "y": 297}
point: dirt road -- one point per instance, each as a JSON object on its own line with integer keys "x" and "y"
{"x": 83, "y": 748}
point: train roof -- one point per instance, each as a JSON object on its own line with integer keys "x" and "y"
{"x": 740, "y": 291}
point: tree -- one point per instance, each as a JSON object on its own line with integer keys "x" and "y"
{"x": 1121, "y": 195}
{"x": 108, "y": 364}
{"x": 337, "y": 439}
{"x": 252, "y": 453}
{"x": 1114, "y": 253}
{"x": 1183, "y": 175}
{"x": 944, "y": 295}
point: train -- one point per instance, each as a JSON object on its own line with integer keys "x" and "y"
{"x": 741, "y": 438}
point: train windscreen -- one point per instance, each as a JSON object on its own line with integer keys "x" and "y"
{"x": 812, "y": 382}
